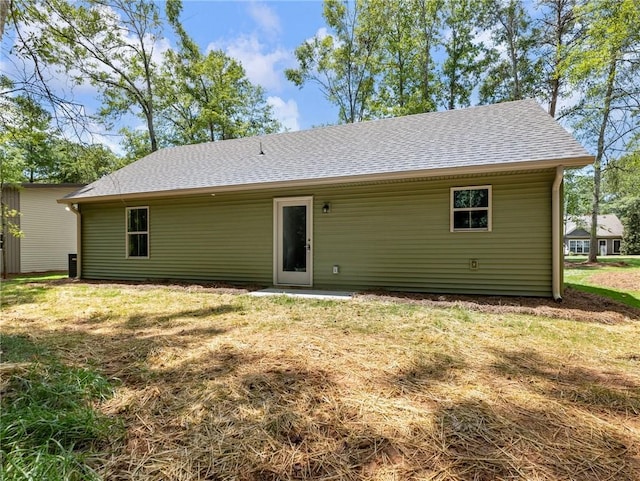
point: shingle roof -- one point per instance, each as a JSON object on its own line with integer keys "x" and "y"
{"x": 608, "y": 226}
{"x": 425, "y": 144}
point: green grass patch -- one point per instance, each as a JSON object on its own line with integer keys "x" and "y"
{"x": 26, "y": 288}
{"x": 607, "y": 278}
{"x": 25, "y": 278}
{"x": 630, "y": 261}
{"x": 48, "y": 426}
{"x": 617, "y": 295}
{"x": 19, "y": 348}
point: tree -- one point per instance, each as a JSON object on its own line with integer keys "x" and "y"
{"x": 109, "y": 43}
{"x": 27, "y": 136}
{"x": 4, "y": 13}
{"x": 343, "y": 63}
{"x": 621, "y": 182}
{"x": 35, "y": 151}
{"x": 429, "y": 24}
{"x": 31, "y": 76}
{"x": 578, "y": 186}
{"x": 514, "y": 75}
{"x": 559, "y": 33}
{"x": 400, "y": 89}
{"x": 465, "y": 58}
{"x": 81, "y": 164}
{"x": 206, "y": 97}
{"x": 604, "y": 65}
{"x": 623, "y": 176}
{"x": 630, "y": 217}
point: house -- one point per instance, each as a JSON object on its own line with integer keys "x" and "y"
{"x": 577, "y": 238}
{"x": 462, "y": 201}
{"x": 48, "y": 230}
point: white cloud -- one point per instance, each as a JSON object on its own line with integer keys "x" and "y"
{"x": 286, "y": 112}
{"x": 263, "y": 67}
{"x": 322, "y": 33}
{"x": 265, "y": 18}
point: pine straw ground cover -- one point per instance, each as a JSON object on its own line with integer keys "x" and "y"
{"x": 215, "y": 384}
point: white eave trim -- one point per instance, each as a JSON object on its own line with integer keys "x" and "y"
{"x": 425, "y": 173}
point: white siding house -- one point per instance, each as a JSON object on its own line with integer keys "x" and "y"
{"x": 49, "y": 230}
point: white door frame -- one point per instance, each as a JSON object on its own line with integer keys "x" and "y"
{"x": 602, "y": 243}
{"x": 291, "y": 278}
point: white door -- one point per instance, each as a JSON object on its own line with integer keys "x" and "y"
{"x": 602, "y": 247}
{"x": 292, "y": 237}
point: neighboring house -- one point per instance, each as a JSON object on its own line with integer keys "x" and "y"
{"x": 577, "y": 238}
{"x": 461, "y": 201}
{"x": 48, "y": 229}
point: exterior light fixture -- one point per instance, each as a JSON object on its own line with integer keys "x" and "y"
{"x": 326, "y": 208}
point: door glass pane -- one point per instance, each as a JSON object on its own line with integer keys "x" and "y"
{"x": 294, "y": 238}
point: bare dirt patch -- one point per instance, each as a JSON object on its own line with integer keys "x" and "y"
{"x": 627, "y": 281}
{"x": 578, "y": 265}
{"x": 575, "y": 306}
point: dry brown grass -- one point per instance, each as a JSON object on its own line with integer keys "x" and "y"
{"x": 218, "y": 385}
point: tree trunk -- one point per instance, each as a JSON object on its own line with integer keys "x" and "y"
{"x": 555, "y": 90}
{"x": 560, "y": 26}
{"x": 597, "y": 165}
{"x": 152, "y": 132}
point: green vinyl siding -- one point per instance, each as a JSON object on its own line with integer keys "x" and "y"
{"x": 399, "y": 238}
{"x": 201, "y": 239}
{"x": 393, "y": 236}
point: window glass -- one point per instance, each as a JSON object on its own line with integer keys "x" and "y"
{"x": 138, "y": 232}
{"x": 137, "y": 220}
{"x": 471, "y": 208}
{"x": 579, "y": 246}
{"x": 616, "y": 246}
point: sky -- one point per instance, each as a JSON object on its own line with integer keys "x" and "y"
{"x": 261, "y": 34}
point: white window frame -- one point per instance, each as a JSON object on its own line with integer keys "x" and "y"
{"x": 127, "y": 233}
{"x": 573, "y": 246}
{"x": 489, "y": 208}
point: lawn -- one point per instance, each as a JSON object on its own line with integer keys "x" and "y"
{"x": 617, "y": 277}
{"x": 212, "y": 383}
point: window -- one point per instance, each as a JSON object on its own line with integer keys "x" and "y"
{"x": 137, "y": 232}
{"x": 616, "y": 246}
{"x": 471, "y": 208}
{"x": 579, "y": 246}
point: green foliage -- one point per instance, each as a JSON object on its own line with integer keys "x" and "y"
{"x": 622, "y": 176}
{"x": 559, "y": 31}
{"x": 209, "y": 98}
{"x": 48, "y": 426}
{"x": 465, "y": 59}
{"x": 408, "y": 82}
{"x": 25, "y": 139}
{"x": 108, "y": 44}
{"x": 32, "y": 150}
{"x": 605, "y": 65}
{"x": 206, "y": 97}
{"x": 517, "y": 75}
{"x": 343, "y": 64}
{"x": 629, "y": 211}
{"x": 79, "y": 163}
{"x": 578, "y": 193}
